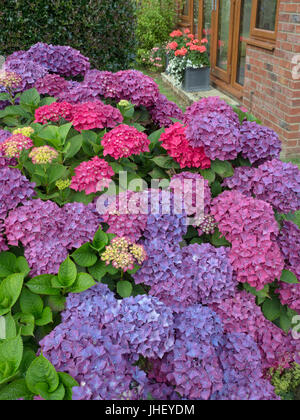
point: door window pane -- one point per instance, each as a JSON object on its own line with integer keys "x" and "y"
{"x": 223, "y": 33}
{"x": 244, "y": 34}
{"x": 186, "y": 6}
{"x": 207, "y": 22}
{"x": 266, "y": 14}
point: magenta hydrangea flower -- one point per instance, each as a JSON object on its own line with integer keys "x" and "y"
{"x": 51, "y": 84}
{"x": 92, "y": 176}
{"x": 164, "y": 110}
{"x": 289, "y": 243}
{"x": 259, "y": 143}
{"x": 14, "y": 190}
{"x": 250, "y": 225}
{"x": 77, "y": 93}
{"x": 213, "y": 124}
{"x": 174, "y": 141}
{"x": 54, "y": 112}
{"x": 240, "y": 314}
{"x": 126, "y": 215}
{"x": 3, "y": 245}
{"x": 90, "y": 115}
{"x": 124, "y": 141}
{"x": 102, "y": 82}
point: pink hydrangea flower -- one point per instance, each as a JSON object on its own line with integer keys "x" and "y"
{"x": 92, "y": 176}
{"x": 51, "y": 84}
{"x": 54, "y": 112}
{"x": 250, "y": 225}
{"x": 174, "y": 141}
{"x": 90, "y": 115}
{"x": 124, "y": 141}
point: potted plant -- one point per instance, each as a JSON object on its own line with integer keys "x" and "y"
{"x": 188, "y": 61}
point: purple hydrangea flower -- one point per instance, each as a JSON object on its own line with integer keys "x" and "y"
{"x": 4, "y": 134}
{"x": 79, "y": 93}
{"x": 15, "y": 189}
{"x": 47, "y": 232}
{"x": 243, "y": 374}
{"x": 289, "y": 242}
{"x": 164, "y": 110}
{"x": 30, "y": 71}
{"x": 51, "y": 84}
{"x": 259, "y": 143}
{"x": 213, "y": 124}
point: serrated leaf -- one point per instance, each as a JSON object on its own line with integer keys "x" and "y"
{"x": 11, "y": 351}
{"x": 271, "y": 309}
{"x": 41, "y": 285}
{"x": 83, "y": 282}
{"x": 222, "y": 168}
{"x": 15, "y": 391}
{"x": 41, "y": 371}
{"x": 10, "y": 289}
{"x": 73, "y": 146}
{"x": 208, "y": 174}
{"x": 67, "y": 273}
{"x": 124, "y": 288}
{"x": 31, "y": 303}
{"x": 7, "y": 264}
{"x": 22, "y": 266}
{"x": 98, "y": 270}
{"x": 57, "y": 395}
{"x": 165, "y": 162}
{"x": 57, "y": 303}
{"x": 25, "y": 323}
{"x": 46, "y": 317}
{"x": 288, "y": 277}
{"x": 85, "y": 256}
{"x": 100, "y": 240}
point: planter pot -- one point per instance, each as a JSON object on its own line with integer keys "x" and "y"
{"x": 196, "y": 79}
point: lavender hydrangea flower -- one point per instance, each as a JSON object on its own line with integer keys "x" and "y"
{"x": 30, "y": 71}
{"x": 80, "y": 93}
{"x": 278, "y": 183}
{"x": 47, "y": 232}
{"x": 15, "y": 189}
{"x": 3, "y": 245}
{"x": 243, "y": 373}
{"x": 4, "y": 134}
{"x": 289, "y": 243}
{"x": 259, "y": 143}
{"x": 164, "y": 110}
{"x": 213, "y": 124}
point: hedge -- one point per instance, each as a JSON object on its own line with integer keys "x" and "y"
{"x": 103, "y": 30}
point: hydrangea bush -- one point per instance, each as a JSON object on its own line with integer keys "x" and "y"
{"x": 143, "y": 252}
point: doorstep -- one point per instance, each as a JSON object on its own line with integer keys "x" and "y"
{"x": 191, "y": 97}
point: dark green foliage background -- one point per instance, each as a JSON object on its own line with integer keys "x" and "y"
{"x": 103, "y": 30}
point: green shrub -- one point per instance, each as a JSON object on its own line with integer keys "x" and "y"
{"x": 103, "y": 30}
{"x": 156, "y": 19}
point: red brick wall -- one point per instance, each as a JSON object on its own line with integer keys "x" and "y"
{"x": 271, "y": 91}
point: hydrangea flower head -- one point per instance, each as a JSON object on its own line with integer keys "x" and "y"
{"x": 13, "y": 146}
{"x": 163, "y": 110}
{"x": 14, "y": 190}
{"x": 63, "y": 184}
{"x": 51, "y": 84}
{"x": 127, "y": 215}
{"x": 289, "y": 242}
{"x": 124, "y": 141}
{"x": 122, "y": 253}
{"x": 174, "y": 141}
{"x": 250, "y": 225}
{"x": 43, "y": 155}
{"x": 90, "y": 115}
{"x": 92, "y": 176}
{"x": 28, "y": 70}
{"x": 4, "y": 134}
{"x": 10, "y": 80}
{"x": 259, "y": 143}
{"x": 54, "y": 112}
{"x": 26, "y": 131}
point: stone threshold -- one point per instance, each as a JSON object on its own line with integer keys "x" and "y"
{"x": 190, "y": 97}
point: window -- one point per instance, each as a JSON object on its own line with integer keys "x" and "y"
{"x": 264, "y": 19}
